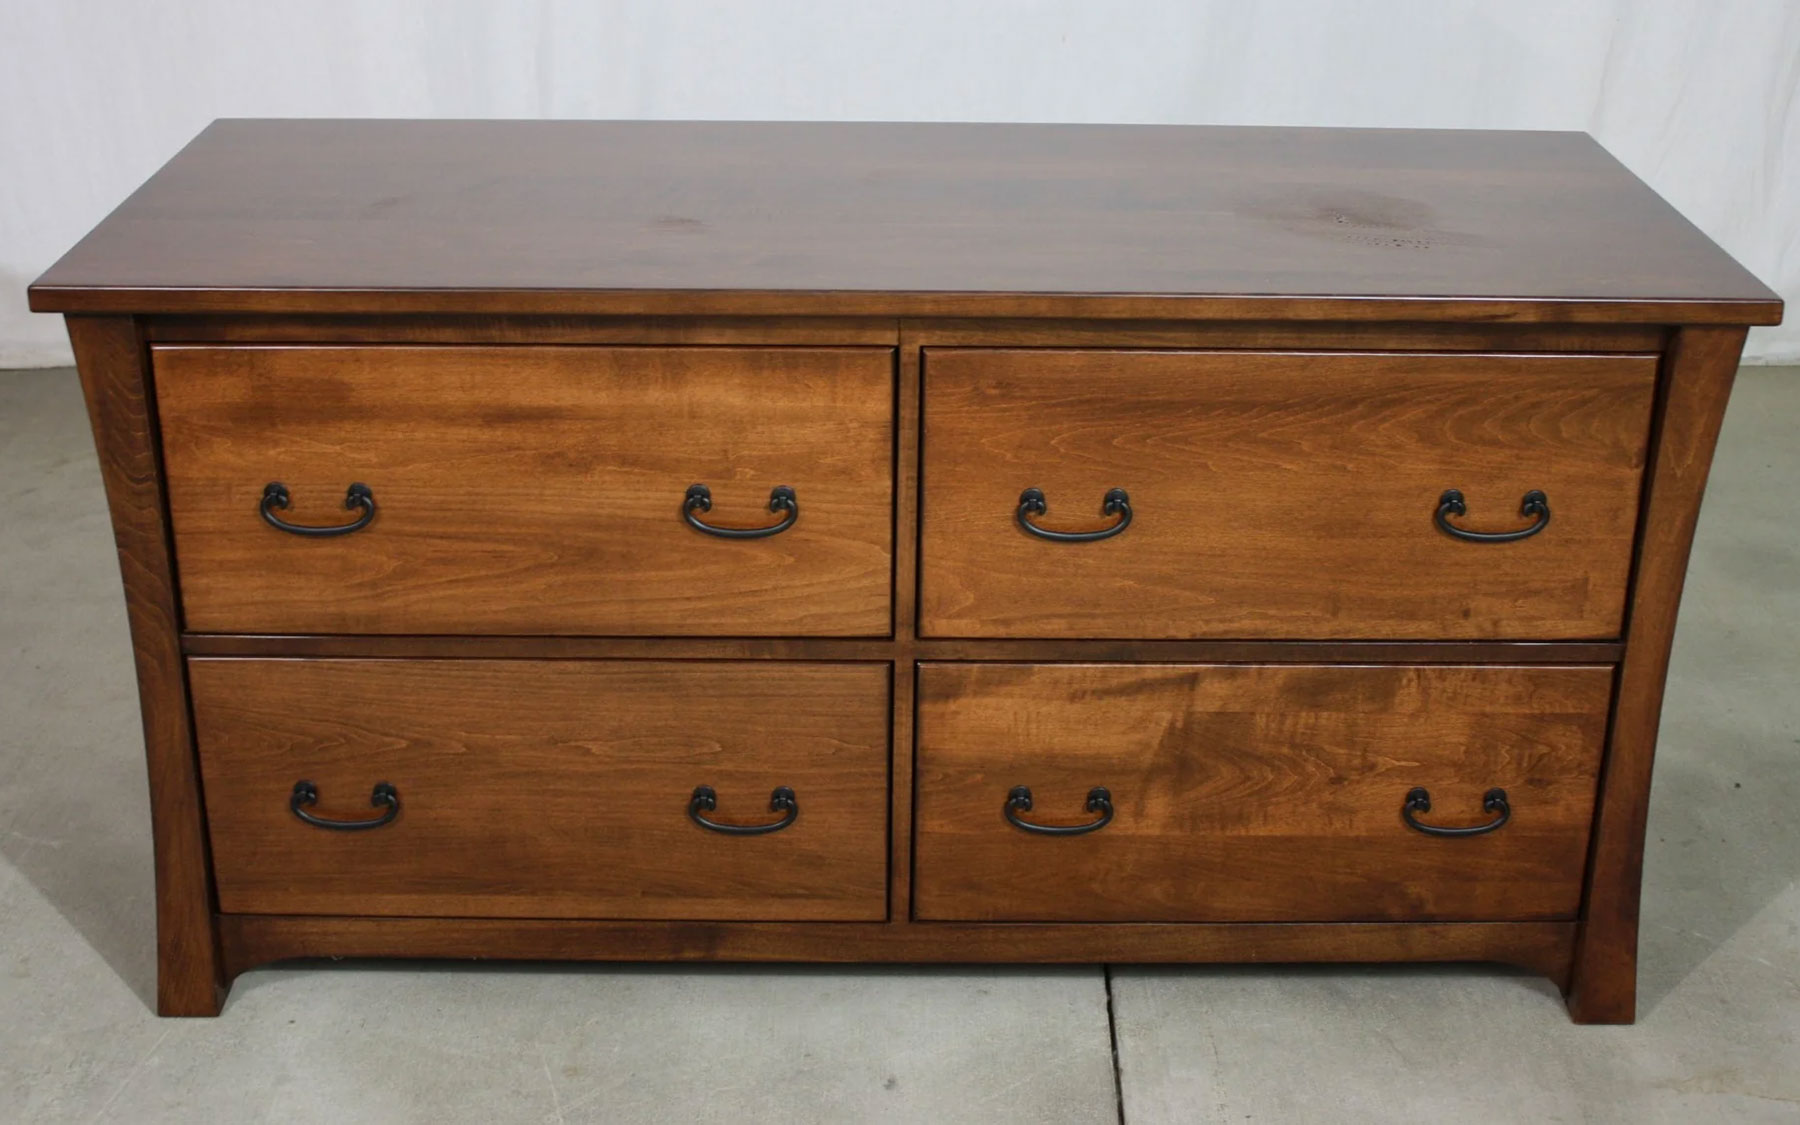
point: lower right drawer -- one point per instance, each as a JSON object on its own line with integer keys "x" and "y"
{"x": 1255, "y": 793}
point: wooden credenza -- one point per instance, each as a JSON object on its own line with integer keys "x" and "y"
{"x": 900, "y": 542}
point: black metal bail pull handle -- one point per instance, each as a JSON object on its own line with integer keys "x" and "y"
{"x": 781, "y": 500}
{"x": 1418, "y": 800}
{"x": 705, "y": 800}
{"x": 1534, "y": 506}
{"x": 275, "y": 497}
{"x": 306, "y": 794}
{"x": 1099, "y": 800}
{"x": 1115, "y": 503}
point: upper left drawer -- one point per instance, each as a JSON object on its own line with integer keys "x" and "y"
{"x": 530, "y": 490}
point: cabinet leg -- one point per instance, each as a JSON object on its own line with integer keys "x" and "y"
{"x": 187, "y": 987}
{"x": 1602, "y": 985}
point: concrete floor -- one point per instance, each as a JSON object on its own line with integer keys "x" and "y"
{"x": 1720, "y": 1006}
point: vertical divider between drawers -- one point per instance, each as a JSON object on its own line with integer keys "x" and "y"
{"x": 907, "y": 443}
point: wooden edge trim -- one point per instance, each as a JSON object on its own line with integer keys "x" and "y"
{"x": 633, "y": 331}
{"x": 375, "y": 330}
{"x": 155, "y": 300}
{"x": 539, "y": 648}
{"x": 255, "y": 939}
{"x": 902, "y": 650}
{"x": 1695, "y": 386}
{"x": 1277, "y": 335}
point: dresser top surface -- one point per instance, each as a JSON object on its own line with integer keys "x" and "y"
{"x": 568, "y": 217}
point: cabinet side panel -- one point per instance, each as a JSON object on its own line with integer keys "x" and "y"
{"x": 1697, "y": 377}
{"x": 115, "y": 380}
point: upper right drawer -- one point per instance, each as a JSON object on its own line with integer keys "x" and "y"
{"x": 1280, "y": 494}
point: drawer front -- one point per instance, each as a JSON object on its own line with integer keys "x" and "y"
{"x": 546, "y": 789}
{"x": 1254, "y": 793}
{"x": 531, "y": 490}
{"x": 1280, "y": 495}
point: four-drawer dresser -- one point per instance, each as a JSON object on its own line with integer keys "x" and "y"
{"x": 760, "y": 542}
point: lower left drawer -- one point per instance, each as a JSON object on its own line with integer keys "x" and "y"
{"x": 546, "y": 788}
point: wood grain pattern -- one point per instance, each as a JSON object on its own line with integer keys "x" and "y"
{"x": 1280, "y": 495}
{"x": 531, "y": 490}
{"x": 1254, "y": 793}
{"x": 115, "y": 378}
{"x": 547, "y": 789}
{"x": 1697, "y": 382}
{"x": 253, "y": 939}
{"x": 738, "y": 218}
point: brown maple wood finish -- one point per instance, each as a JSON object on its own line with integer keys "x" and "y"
{"x": 1254, "y": 793}
{"x": 529, "y": 490}
{"x": 538, "y": 789}
{"x": 900, "y": 542}
{"x": 1294, "y": 483}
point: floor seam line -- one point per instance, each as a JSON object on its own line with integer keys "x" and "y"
{"x": 1112, "y": 1035}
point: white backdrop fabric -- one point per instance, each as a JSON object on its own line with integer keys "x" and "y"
{"x": 1701, "y": 98}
